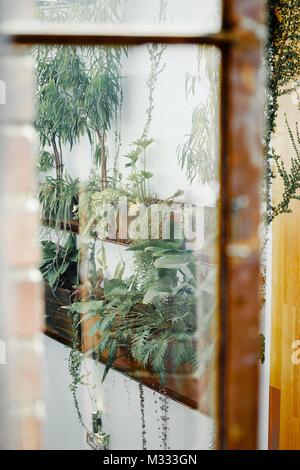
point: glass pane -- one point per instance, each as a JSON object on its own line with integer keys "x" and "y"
{"x": 199, "y": 15}
{"x": 128, "y": 168}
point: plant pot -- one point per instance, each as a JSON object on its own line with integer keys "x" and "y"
{"x": 58, "y": 322}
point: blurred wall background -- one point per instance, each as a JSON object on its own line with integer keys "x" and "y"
{"x": 21, "y": 307}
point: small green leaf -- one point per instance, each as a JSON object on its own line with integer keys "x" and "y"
{"x": 94, "y": 328}
{"x": 86, "y": 307}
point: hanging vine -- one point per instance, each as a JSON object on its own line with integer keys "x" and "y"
{"x": 74, "y": 365}
{"x": 142, "y": 410}
{"x": 290, "y": 177}
{"x": 164, "y": 408}
{"x": 155, "y": 52}
{"x": 283, "y": 67}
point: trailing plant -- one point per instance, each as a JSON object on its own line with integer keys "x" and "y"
{"x": 164, "y": 408}
{"x": 290, "y": 176}
{"x": 155, "y": 52}
{"x": 101, "y": 87}
{"x": 79, "y": 89}
{"x": 262, "y": 348}
{"x": 142, "y": 409}
{"x": 74, "y": 364}
{"x": 59, "y": 265}
{"x": 283, "y": 56}
{"x": 283, "y": 66}
{"x": 79, "y": 92}
{"x": 76, "y": 357}
{"x": 283, "y": 70}
{"x": 94, "y": 204}
{"x": 75, "y": 361}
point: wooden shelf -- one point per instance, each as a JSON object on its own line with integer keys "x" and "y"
{"x": 182, "y": 386}
{"x": 72, "y": 226}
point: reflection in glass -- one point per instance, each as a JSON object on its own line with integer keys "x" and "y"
{"x": 128, "y": 168}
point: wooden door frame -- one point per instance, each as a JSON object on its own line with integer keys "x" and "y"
{"x": 241, "y": 163}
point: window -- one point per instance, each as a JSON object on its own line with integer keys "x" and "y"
{"x": 228, "y": 266}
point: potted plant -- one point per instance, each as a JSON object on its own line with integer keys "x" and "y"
{"x": 59, "y": 269}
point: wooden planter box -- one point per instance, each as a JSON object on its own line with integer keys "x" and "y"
{"x": 58, "y": 322}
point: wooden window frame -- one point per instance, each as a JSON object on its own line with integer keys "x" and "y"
{"x": 240, "y": 42}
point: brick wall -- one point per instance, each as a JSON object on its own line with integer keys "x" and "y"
{"x": 21, "y": 305}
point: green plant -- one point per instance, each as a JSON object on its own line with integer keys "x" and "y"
{"x": 61, "y": 85}
{"x": 283, "y": 67}
{"x": 143, "y": 420}
{"x": 154, "y": 320}
{"x": 290, "y": 177}
{"x": 76, "y": 358}
{"x": 57, "y": 198}
{"x": 59, "y": 265}
{"x": 139, "y": 177}
{"x": 283, "y": 70}
{"x": 155, "y": 52}
{"x": 74, "y": 364}
{"x": 97, "y": 210}
{"x": 283, "y": 58}
{"x": 198, "y": 155}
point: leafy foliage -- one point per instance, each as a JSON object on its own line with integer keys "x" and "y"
{"x": 61, "y": 83}
{"x": 283, "y": 65}
{"x": 45, "y": 161}
{"x": 97, "y": 211}
{"x": 57, "y": 198}
{"x": 198, "y": 155}
{"x": 102, "y": 98}
{"x": 59, "y": 263}
{"x": 290, "y": 177}
{"x": 154, "y": 319}
{"x": 74, "y": 365}
{"x": 139, "y": 178}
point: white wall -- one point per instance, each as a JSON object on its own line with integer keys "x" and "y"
{"x": 118, "y": 397}
{"x": 61, "y": 428}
